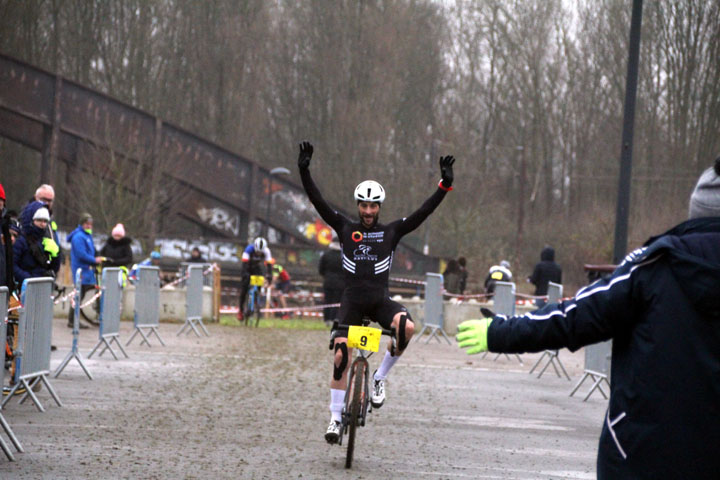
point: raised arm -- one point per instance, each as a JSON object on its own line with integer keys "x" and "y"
{"x": 330, "y": 216}
{"x": 410, "y": 223}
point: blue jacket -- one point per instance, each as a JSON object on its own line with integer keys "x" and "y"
{"x": 29, "y": 258}
{"x": 661, "y": 308}
{"x": 82, "y": 255}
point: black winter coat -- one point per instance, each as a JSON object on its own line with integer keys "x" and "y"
{"x": 661, "y": 308}
{"x": 330, "y": 267}
{"x": 119, "y": 251}
{"x": 545, "y": 272}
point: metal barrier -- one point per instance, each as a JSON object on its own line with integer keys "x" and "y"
{"x": 211, "y": 278}
{"x": 3, "y": 334}
{"x": 74, "y": 352}
{"x": 555, "y": 291}
{"x": 597, "y": 366}
{"x": 32, "y": 357}
{"x": 110, "y": 311}
{"x": 434, "y": 318}
{"x": 194, "y": 300}
{"x": 147, "y": 304}
{"x": 504, "y": 304}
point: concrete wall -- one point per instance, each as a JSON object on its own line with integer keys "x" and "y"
{"x": 172, "y": 304}
{"x": 453, "y": 311}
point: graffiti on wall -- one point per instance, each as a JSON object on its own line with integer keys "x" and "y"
{"x": 318, "y": 232}
{"x": 220, "y": 219}
{"x": 212, "y": 251}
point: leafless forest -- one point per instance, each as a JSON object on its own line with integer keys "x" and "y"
{"x": 528, "y": 95}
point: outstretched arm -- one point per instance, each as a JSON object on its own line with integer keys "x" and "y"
{"x": 330, "y": 216}
{"x": 413, "y": 221}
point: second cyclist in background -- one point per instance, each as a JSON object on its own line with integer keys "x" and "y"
{"x": 256, "y": 260}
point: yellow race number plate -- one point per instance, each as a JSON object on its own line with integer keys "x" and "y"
{"x": 257, "y": 280}
{"x": 364, "y": 338}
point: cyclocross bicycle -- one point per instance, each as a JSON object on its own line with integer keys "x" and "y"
{"x": 253, "y": 300}
{"x": 357, "y": 405}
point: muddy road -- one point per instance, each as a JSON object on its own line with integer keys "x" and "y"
{"x": 252, "y": 404}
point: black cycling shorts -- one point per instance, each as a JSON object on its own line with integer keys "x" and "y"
{"x": 380, "y": 309}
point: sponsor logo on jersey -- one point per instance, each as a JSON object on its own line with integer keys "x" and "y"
{"x": 363, "y": 253}
{"x": 374, "y": 237}
{"x": 357, "y": 236}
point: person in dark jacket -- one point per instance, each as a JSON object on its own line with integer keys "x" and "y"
{"x": 661, "y": 308}
{"x": 545, "y": 272}
{"x": 118, "y": 249}
{"x": 196, "y": 256}
{"x": 32, "y": 256}
{"x": 451, "y": 277}
{"x": 330, "y": 268}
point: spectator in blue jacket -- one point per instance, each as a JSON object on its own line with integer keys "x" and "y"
{"x": 83, "y": 256}
{"x": 32, "y": 251}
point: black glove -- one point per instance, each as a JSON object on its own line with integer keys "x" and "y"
{"x": 446, "y": 170}
{"x": 306, "y": 151}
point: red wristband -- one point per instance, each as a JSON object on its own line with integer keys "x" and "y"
{"x": 443, "y": 187}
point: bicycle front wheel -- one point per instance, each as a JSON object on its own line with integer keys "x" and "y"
{"x": 91, "y": 310}
{"x": 356, "y": 400}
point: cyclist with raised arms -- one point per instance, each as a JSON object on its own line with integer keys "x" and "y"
{"x": 367, "y": 250}
{"x": 252, "y": 259}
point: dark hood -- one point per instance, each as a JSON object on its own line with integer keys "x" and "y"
{"x": 547, "y": 254}
{"x": 693, "y": 252}
{"x": 26, "y": 222}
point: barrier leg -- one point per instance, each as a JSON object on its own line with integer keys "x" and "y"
{"x": 115, "y": 339}
{"x": 6, "y": 449}
{"x": 50, "y": 388}
{"x": 157, "y": 334}
{"x": 585, "y": 375}
{"x": 538, "y": 361}
{"x": 10, "y": 434}
{"x": 132, "y": 336}
{"x": 202, "y": 325}
{"x": 31, "y": 394}
{"x": 182, "y": 329}
{"x": 422, "y": 331}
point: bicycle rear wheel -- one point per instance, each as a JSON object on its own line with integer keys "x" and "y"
{"x": 356, "y": 400}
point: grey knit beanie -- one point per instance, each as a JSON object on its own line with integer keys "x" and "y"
{"x": 705, "y": 199}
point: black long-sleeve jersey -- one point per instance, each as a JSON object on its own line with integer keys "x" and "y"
{"x": 367, "y": 253}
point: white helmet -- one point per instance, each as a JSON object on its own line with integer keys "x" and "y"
{"x": 369, "y": 191}
{"x": 260, "y": 243}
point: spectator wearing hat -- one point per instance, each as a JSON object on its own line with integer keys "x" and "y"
{"x": 661, "y": 308}
{"x": 117, "y": 250}
{"x": 32, "y": 251}
{"x": 83, "y": 257}
{"x": 45, "y": 194}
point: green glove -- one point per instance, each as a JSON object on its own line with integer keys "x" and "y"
{"x": 51, "y": 247}
{"x": 473, "y": 334}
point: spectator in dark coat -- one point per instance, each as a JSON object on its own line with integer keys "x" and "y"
{"x": 462, "y": 262}
{"x": 32, "y": 251}
{"x": 545, "y": 272}
{"x": 451, "y": 277}
{"x": 330, "y": 267}
{"x": 196, "y": 256}
{"x": 117, "y": 249}
{"x": 662, "y": 311}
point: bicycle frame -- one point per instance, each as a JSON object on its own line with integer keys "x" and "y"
{"x": 349, "y": 420}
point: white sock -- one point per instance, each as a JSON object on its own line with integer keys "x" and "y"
{"x": 384, "y": 368}
{"x": 337, "y": 402}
